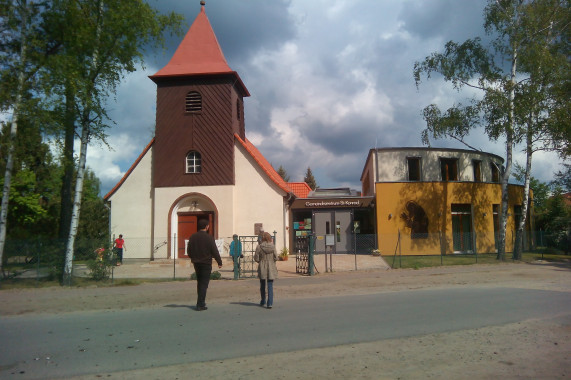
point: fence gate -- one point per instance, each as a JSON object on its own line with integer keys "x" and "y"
{"x": 303, "y": 260}
{"x": 248, "y": 267}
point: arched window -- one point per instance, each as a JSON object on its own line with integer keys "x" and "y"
{"x": 193, "y": 102}
{"x": 238, "y": 113}
{"x": 193, "y": 162}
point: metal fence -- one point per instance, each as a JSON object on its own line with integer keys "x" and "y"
{"x": 308, "y": 260}
{"x": 450, "y": 243}
{"x": 40, "y": 258}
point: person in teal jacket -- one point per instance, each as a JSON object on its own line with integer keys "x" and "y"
{"x": 236, "y": 253}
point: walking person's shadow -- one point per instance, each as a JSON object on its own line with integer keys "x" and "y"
{"x": 245, "y": 303}
{"x": 186, "y": 306}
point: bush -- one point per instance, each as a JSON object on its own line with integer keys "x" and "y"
{"x": 99, "y": 269}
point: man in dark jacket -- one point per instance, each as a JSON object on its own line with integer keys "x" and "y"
{"x": 202, "y": 249}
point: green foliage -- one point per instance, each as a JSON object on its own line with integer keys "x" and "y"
{"x": 25, "y": 206}
{"x": 100, "y": 266}
{"x": 98, "y": 270}
{"x": 22, "y": 43}
{"x": 563, "y": 178}
{"x": 540, "y": 189}
{"x": 556, "y": 221}
{"x": 94, "y": 218}
{"x": 283, "y": 173}
{"x": 309, "y": 179}
{"x": 34, "y": 192}
{"x": 532, "y": 36}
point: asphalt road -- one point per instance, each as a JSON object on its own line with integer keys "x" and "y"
{"x": 57, "y": 346}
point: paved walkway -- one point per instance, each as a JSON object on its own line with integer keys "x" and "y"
{"x": 183, "y": 267}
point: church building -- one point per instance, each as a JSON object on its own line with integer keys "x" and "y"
{"x": 200, "y": 163}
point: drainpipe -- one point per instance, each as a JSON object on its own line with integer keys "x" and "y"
{"x": 286, "y": 219}
{"x": 375, "y": 168}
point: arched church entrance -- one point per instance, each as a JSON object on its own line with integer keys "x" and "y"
{"x": 185, "y": 214}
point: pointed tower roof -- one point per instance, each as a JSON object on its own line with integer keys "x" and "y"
{"x": 199, "y": 54}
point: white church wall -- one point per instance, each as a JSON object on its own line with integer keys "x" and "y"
{"x": 131, "y": 206}
{"x": 257, "y": 199}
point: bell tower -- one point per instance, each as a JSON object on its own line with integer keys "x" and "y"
{"x": 200, "y": 107}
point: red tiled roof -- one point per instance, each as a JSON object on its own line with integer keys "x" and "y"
{"x": 264, "y": 164}
{"x": 300, "y": 189}
{"x": 118, "y": 185}
{"x": 199, "y": 53}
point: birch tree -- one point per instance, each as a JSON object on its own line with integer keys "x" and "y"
{"x": 501, "y": 73}
{"x": 98, "y": 46}
{"x": 17, "y": 40}
{"x": 545, "y": 71}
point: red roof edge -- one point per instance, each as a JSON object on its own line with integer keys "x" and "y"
{"x": 264, "y": 164}
{"x": 300, "y": 189}
{"x": 118, "y": 185}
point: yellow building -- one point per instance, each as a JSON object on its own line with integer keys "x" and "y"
{"x": 439, "y": 201}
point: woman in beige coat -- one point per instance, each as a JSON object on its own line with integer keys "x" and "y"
{"x": 266, "y": 257}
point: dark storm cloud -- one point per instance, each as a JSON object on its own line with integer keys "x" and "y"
{"x": 348, "y": 136}
{"x": 455, "y": 20}
{"x": 241, "y": 27}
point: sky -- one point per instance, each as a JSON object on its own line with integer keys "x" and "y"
{"x": 329, "y": 80}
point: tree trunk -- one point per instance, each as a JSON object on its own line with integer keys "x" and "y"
{"x": 518, "y": 248}
{"x": 13, "y": 133}
{"x": 8, "y": 180}
{"x": 68, "y": 164}
{"x": 509, "y": 154}
{"x": 76, "y": 205}
{"x": 84, "y": 141}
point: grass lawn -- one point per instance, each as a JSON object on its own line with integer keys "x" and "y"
{"x": 417, "y": 262}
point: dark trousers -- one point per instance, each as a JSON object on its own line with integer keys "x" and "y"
{"x": 202, "y": 279}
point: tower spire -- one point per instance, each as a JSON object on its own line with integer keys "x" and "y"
{"x": 199, "y": 53}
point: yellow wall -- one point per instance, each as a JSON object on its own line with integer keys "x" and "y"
{"x": 436, "y": 199}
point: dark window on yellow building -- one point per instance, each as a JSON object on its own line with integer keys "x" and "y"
{"x": 477, "y": 165}
{"x": 413, "y": 168}
{"x": 517, "y": 215}
{"x": 496, "y": 214}
{"x": 449, "y": 169}
{"x": 495, "y": 173}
